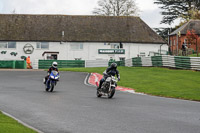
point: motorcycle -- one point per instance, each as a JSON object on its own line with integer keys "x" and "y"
{"x": 52, "y": 81}
{"x": 108, "y": 87}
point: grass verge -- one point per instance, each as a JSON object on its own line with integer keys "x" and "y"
{"x": 9, "y": 125}
{"x": 182, "y": 84}
{"x": 193, "y": 55}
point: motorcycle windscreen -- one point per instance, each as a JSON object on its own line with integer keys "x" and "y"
{"x": 54, "y": 73}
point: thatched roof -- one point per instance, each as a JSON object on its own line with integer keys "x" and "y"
{"x": 18, "y": 27}
{"x": 190, "y": 25}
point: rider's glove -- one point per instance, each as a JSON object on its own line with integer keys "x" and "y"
{"x": 118, "y": 79}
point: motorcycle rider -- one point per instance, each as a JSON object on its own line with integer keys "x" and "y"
{"x": 53, "y": 67}
{"x": 112, "y": 70}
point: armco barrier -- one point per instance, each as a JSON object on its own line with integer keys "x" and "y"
{"x": 35, "y": 64}
{"x": 195, "y": 63}
{"x": 157, "y": 61}
{"x": 45, "y": 64}
{"x": 182, "y": 62}
{"x": 137, "y": 61}
{"x": 20, "y": 64}
{"x": 146, "y": 61}
{"x": 179, "y": 62}
{"x": 13, "y": 64}
{"x": 168, "y": 61}
{"x": 7, "y": 64}
{"x": 129, "y": 63}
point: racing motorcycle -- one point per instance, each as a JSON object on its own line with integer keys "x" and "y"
{"x": 52, "y": 81}
{"x": 108, "y": 87}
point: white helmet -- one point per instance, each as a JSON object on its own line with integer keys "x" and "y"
{"x": 54, "y": 64}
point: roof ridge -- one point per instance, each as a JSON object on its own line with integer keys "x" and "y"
{"x": 67, "y": 15}
{"x": 185, "y": 25}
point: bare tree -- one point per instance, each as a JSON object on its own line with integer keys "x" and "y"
{"x": 116, "y": 8}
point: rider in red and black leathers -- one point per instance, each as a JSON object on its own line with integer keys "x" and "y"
{"x": 112, "y": 70}
{"x": 51, "y": 69}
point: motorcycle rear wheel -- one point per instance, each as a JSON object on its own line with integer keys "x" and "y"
{"x": 98, "y": 93}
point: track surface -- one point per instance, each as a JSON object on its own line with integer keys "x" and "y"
{"x": 74, "y": 108}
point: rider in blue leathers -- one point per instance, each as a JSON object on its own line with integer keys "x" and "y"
{"x": 53, "y": 67}
{"x": 112, "y": 70}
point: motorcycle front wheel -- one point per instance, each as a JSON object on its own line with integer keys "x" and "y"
{"x": 46, "y": 88}
{"x": 111, "y": 93}
{"x": 52, "y": 86}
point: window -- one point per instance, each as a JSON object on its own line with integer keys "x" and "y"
{"x": 76, "y": 46}
{"x": 77, "y": 58}
{"x": 116, "y": 45}
{"x": 42, "y": 45}
{"x": 11, "y": 45}
{"x": 3, "y": 44}
{"x": 122, "y": 58}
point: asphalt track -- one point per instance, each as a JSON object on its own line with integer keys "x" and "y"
{"x": 74, "y": 108}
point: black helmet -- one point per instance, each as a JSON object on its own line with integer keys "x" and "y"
{"x": 113, "y": 65}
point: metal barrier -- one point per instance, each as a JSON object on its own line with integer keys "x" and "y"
{"x": 179, "y": 62}
{"x": 45, "y": 64}
{"x": 13, "y": 64}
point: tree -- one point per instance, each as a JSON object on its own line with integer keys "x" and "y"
{"x": 195, "y": 14}
{"x": 173, "y": 9}
{"x": 192, "y": 38}
{"x": 163, "y": 32}
{"x": 116, "y": 8}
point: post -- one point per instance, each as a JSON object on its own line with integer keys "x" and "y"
{"x": 169, "y": 41}
{"x": 177, "y": 44}
{"x": 197, "y": 47}
{"x": 160, "y": 48}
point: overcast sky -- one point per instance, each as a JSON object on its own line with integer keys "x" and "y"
{"x": 150, "y": 13}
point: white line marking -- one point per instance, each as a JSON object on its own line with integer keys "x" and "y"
{"x": 22, "y": 122}
{"x": 96, "y": 78}
{"x": 119, "y": 89}
{"x": 85, "y": 81}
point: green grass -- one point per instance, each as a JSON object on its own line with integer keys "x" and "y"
{"x": 8, "y": 125}
{"x": 183, "y": 84}
{"x": 194, "y": 55}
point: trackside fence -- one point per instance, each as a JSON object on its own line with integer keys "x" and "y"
{"x": 179, "y": 62}
{"x": 13, "y": 64}
{"x": 45, "y": 64}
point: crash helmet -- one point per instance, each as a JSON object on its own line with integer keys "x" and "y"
{"x": 54, "y": 64}
{"x": 113, "y": 65}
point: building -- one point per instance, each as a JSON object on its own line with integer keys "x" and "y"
{"x": 66, "y": 37}
{"x": 178, "y": 37}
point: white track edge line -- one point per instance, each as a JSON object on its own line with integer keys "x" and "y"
{"x": 85, "y": 81}
{"x": 21, "y": 122}
{"x": 127, "y": 91}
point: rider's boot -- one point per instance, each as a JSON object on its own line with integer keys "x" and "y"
{"x": 100, "y": 84}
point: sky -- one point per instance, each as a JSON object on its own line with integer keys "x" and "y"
{"x": 149, "y": 12}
